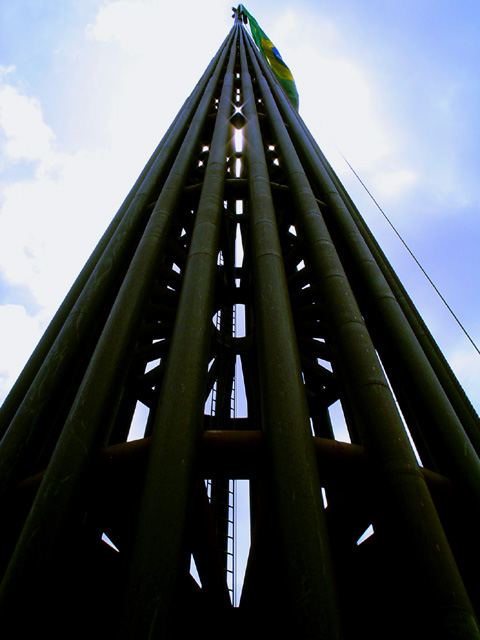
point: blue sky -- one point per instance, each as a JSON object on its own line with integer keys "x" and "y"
{"x": 87, "y": 88}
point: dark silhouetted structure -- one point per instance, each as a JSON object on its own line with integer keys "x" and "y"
{"x": 238, "y": 267}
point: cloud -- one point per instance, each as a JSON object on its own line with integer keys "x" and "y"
{"x": 336, "y": 99}
{"x": 55, "y": 204}
{"x": 132, "y": 25}
{"x": 53, "y": 212}
{"x": 24, "y": 133}
{"x": 392, "y": 184}
{"x": 19, "y": 333}
{"x": 144, "y": 28}
{"x": 155, "y": 64}
{"x": 135, "y": 71}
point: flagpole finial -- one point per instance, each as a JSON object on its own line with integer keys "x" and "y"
{"x": 238, "y": 14}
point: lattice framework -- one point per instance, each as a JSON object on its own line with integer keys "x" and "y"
{"x": 151, "y": 329}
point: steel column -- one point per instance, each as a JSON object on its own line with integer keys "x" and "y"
{"x": 409, "y": 517}
{"x": 456, "y": 395}
{"x": 294, "y": 476}
{"x": 85, "y": 427}
{"x": 463, "y": 461}
{"x": 135, "y": 350}
{"x": 70, "y": 341}
{"x": 160, "y": 558}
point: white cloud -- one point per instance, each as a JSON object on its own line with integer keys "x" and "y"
{"x": 143, "y": 27}
{"x": 347, "y": 108}
{"x": 26, "y": 136}
{"x": 392, "y": 184}
{"x": 19, "y": 334}
{"x": 49, "y": 223}
{"x": 133, "y": 25}
{"x": 52, "y": 214}
{"x": 156, "y": 64}
{"x": 134, "y": 73}
{"x": 54, "y": 205}
{"x": 335, "y": 92}
{"x": 345, "y": 111}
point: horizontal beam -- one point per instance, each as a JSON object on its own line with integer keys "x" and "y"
{"x": 239, "y": 455}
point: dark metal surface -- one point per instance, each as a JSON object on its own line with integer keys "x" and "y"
{"x": 378, "y": 422}
{"x": 159, "y": 554}
{"x": 129, "y": 406}
{"x": 309, "y": 582}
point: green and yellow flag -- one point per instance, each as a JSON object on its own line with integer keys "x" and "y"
{"x": 273, "y": 57}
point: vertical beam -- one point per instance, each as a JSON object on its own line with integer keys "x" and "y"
{"x": 172, "y": 139}
{"x": 66, "y": 477}
{"x": 102, "y": 282}
{"x": 460, "y": 403}
{"x": 160, "y": 558}
{"x": 406, "y": 514}
{"x": 298, "y": 501}
{"x": 450, "y": 384}
{"x": 444, "y": 427}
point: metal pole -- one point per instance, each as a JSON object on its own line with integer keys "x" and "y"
{"x": 70, "y": 342}
{"x": 160, "y": 557}
{"x": 446, "y": 377}
{"x": 405, "y": 510}
{"x": 309, "y": 582}
{"x": 65, "y": 479}
{"x": 22, "y": 384}
{"x": 450, "y": 384}
{"x": 459, "y": 458}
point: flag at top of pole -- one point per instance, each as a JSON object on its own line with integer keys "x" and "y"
{"x": 272, "y": 56}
